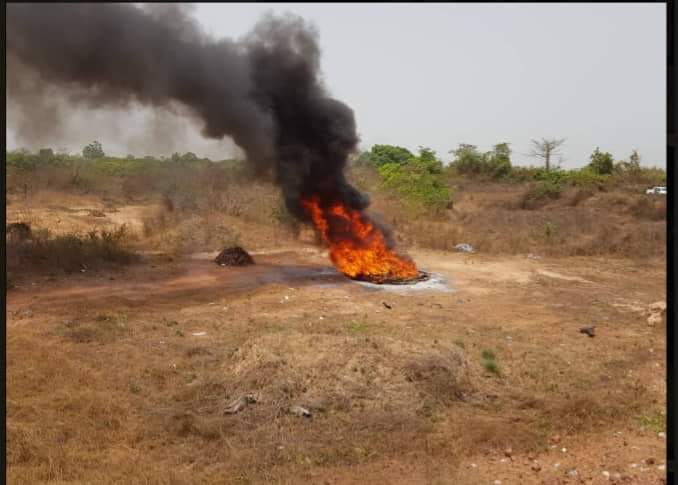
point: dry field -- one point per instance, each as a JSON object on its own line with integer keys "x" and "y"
{"x": 127, "y": 373}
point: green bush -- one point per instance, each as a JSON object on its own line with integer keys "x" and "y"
{"x": 420, "y": 181}
{"x": 544, "y": 189}
{"x": 495, "y": 164}
{"x": 601, "y": 163}
{"x": 384, "y": 154}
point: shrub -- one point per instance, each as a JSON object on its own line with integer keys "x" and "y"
{"x": 70, "y": 252}
{"x": 601, "y": 163}
{"x": 420, "y": 181}
{"x": 496, "y": 163}
{"x": 545, "y": 189}
{"x": 384, "y": 154}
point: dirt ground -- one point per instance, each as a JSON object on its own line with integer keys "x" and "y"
{"x": 126, "y": 375}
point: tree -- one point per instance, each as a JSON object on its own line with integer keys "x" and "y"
{"x": 93, "y": 150}
{"x": 498, "y": 162}
{"x": 467, "y": 159}
{"x": 634, "y": 161}
{"x": 601, "y": 163}
{"x": 383, "y": 154}
{"x": 546, "y": 149}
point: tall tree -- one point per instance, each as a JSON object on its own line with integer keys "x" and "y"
{"x": 601, "y": 163}
{"x": 93, "y": 150}
{"x": 546, "y": 149}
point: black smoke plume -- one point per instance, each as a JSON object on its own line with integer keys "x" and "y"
{"x": 264, "y": 90}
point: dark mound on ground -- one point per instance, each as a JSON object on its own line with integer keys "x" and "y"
{"x": 234, "y": 256}
{"x": 387, "y": 280}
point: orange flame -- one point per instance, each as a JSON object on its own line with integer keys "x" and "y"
{"x": 362, "y": 250}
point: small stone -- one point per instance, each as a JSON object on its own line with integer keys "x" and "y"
{"x": 508, "y": 452}
{"x": 473, "y": 465}
{"x": 564, "y": 450}
{"x": 536, "y": 466}
{"x": 616, "y": 476}
{"x": 531, "y": 456}
{"x": 572, "y": 472}
{"x": 606, "y": 474}
{"x": 661, "y": 467}
{"x": 556, "y": 465}
{"x": 634, "y": 465}
{"x": 661, "y": 435}
{"x": 497, "y": 482}
{"x": 650, "y": 461}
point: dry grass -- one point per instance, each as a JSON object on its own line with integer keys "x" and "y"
{"x": 580, "y": 223}
{"x": 44, "y": 252}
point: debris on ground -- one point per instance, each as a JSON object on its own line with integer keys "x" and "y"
{"x": 386, "y": 305}
{"x": 240, "y": 404}
{"x": 300, "y": 411}
{"x": 464, "y": 248}
{"x": 234, "y": 256}
{"x": 590, "y": 331}
{"x": 199, "y": 334}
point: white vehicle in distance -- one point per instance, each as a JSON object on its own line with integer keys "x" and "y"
{"x": 656, "y": 191}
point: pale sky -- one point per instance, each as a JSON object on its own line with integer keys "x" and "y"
{"x": 443, "y": 74}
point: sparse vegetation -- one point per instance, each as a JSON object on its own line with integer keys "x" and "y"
{"x": 489, "y": 362}
{"x": 70, "y": 252}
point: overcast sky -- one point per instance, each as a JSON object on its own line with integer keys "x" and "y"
{"x": 443, "y": 74}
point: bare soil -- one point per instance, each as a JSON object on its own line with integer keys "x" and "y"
{"x": 124, "y": 375}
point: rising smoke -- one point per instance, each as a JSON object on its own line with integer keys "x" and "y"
{"x": 264, "y": 91}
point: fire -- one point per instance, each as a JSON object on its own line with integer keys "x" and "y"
{"x": 357, "y": 247}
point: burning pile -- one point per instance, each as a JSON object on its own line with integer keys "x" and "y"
{"x": 234, "y": 256}
{"x": 358, "y": 247}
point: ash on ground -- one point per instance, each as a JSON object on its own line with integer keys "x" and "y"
{"x": 234, "y": 256}
{"x": 434, "y": 282}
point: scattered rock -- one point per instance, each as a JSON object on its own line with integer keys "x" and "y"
{"x": 386, "y": 305}
{"x": 590, "y": 331}
{"x": 199, "y": 334}
{"x": 234, "y": 256}
{"x": 606, "y": 474}
{"x": 572, "y": 472}
{"x": 300, "y": 411}
{"x": 650, "y": 461}
{"x": 661, "y": 435}
{"x": 497, "y": 482}
{"x": 464, "y": 248}
{"x": 508, "y": 452}
{"x": 240, "y": 404}
{"x": 536, "y": 466}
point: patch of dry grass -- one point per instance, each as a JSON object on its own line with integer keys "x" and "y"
{"x": 71, "y": 252}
